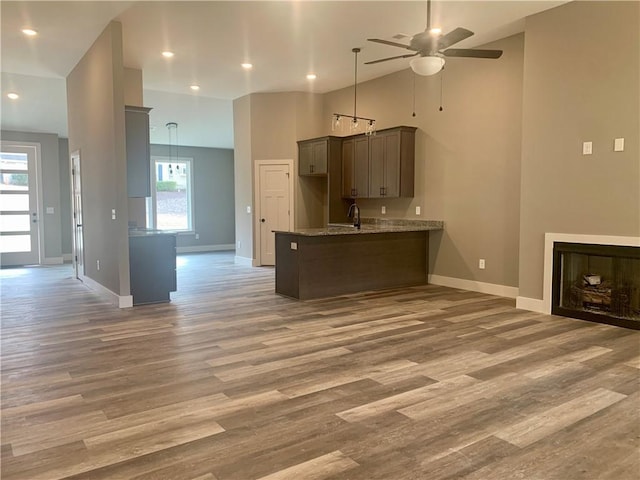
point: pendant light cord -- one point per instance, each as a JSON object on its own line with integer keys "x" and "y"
{"x": 355, "y": 84}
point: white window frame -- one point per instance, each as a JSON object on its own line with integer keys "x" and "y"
{"x": 152, "y": 213}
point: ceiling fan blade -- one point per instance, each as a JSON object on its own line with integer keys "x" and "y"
{"x": 473, "y": 53}
{"x": 391, "y": 58}
{"x": 388, "y": 42}
{"x": 454, "y": 36}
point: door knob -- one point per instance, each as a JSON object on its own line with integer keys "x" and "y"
{"x": 262, "y": 220}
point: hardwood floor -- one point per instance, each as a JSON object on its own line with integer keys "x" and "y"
{"x": 230, "y": 381}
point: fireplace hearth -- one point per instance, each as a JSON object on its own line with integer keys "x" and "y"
{"x": 599, "y": 283}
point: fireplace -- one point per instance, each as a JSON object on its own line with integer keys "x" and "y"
{"x": 599, "y": 283}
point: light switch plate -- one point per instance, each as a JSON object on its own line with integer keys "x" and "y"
{"x": 383, "y": 210}
{"x": 417, "y": 210}
{"x": 50, "y": 210}
{"x": 587, "y": 148}
{"x": 618, "y": 145}
{"x": 294, "y": 245}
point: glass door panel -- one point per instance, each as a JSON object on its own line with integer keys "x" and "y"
{"x": 18, "y": 206}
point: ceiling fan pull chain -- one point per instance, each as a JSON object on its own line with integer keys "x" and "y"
{"x": 441, "y": 76}
{"x": 414, "y": 94}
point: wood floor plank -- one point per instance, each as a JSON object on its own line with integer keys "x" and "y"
{"x": 230, "y": 381}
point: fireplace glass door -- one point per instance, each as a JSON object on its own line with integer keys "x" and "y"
{"x": 600, "y": 283}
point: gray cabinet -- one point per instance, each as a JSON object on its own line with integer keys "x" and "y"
{"x": 392, "y": 163}
{"x": 138, "y": 151}
{"x": 355, "y": 167}
{"x": 152, "y": 267}
{"x": 313, "y": 156}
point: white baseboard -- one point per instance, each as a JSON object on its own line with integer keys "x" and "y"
{"x": 532, "y": 304}
{"x": 243, "y": 261}
{"x": 474, "y": 286}
{"x": 120, "y": 301}
{"x": 53, "y": 261}
{"x": 205, "y": 248}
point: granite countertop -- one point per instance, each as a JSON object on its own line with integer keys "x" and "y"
{"x": 371, "y": 225}
{"x": 147, "y": 232}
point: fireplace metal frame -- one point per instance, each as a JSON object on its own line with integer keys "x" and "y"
{"x": 588, "y": 249}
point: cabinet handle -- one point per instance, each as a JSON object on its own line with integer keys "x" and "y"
{"x": 382, "y": 191}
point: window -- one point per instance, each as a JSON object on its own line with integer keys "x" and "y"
{"x": 172, "y": 194}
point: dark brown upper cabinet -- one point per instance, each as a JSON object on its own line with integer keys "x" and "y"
{"x": 355, "y": 167}
{"x": 313, "y": 156}
{"x": 138, "y": 151}
{"x": 392, "y": 163}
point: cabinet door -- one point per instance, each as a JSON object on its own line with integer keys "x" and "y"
{"x": 376, "y": 166}
{"x": 361, "y": 167}
{"x": 391, "y": 183}
{"x": 138, "y": 152}
{"x": 348, "y": 180}
{"x": 305, "y": 158}
{"x": 320, "y": 152}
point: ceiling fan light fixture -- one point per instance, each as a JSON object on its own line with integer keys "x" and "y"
{"x": 435, "y": 31}
{"x": 428, "y": 65}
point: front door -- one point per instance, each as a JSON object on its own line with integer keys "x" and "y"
{"x": 76, "y": 193}
{"x": 274, "y": 208}
{"x": 19, "y": 214}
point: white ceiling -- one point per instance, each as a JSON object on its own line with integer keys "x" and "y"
{"x": 284, "y": 40}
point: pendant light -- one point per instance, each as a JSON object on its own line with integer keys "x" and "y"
{"x": 172, "y": 127}
{"x": 355, "y": 122}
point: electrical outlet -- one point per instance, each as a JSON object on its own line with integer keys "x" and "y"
{"x": 383, "y": 210}
{"x": 113, "y": 214}
{"x": 197, "y": 236}
{"x": 248, "y": 208}
{"x": 294, "y": 245}
{"x": 239, "y": 244}
{"x": 618, "y": 145}
{"x": 98, "y": 264}
{"x": 481, "y": 264}
{"x": 417, "y": 210}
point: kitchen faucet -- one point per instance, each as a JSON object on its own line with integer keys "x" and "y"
{"x": 356, "y": 215}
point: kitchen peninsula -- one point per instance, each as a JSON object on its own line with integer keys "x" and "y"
{"x": 341, "y": 259}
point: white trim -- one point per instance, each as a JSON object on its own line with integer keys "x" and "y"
{"x": 120, "y": 301}
{"x": 474, "y": 286}
{"x": 191, "y": 230}
{"x": 67, "y": 257}
{"x": 256, "y": 201}
{"x": 36, "y": 146}
{"x": 205, "y": 248}
{"x": 551, "y": 238}
{"x": 243, "y": 261}
{"x": 53, "y": 261}
{"x": 531, "y": 304}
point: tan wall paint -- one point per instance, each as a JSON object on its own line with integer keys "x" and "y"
{"x": 467, "y": 157}
{"x": 582, "y": 77}
{"x": 267, "y": 127}
{"x": 95, "y": 98}
{"x": 243, "y": 176}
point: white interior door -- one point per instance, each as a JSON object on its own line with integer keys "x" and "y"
{"x": 76, "y": 194}
{"x": 19, "y": 212}
{"x": 275, "y": 196}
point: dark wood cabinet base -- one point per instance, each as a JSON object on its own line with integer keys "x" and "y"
{"x": 324, "y": 266}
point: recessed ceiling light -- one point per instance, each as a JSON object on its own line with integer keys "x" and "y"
{"x": 312, "y": 76}
{"x": 195, "y": 88}
{"x": 247, "y": 66}
{"x": 29, "y": 32}
{"x": 167, "y": 54}
{"x": 13, "y": 96}
{"x": 435, "y": 31}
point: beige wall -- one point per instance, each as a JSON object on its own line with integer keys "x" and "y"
{"x": 582, "y": 83}
{"x": 467, "y": 157}
{"x": 243, "y": 176}
{"x": 267, "y": 127}
{"x": 95, "y": 98}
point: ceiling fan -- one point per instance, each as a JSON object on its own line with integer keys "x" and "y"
{"x": 431, "y": 47}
